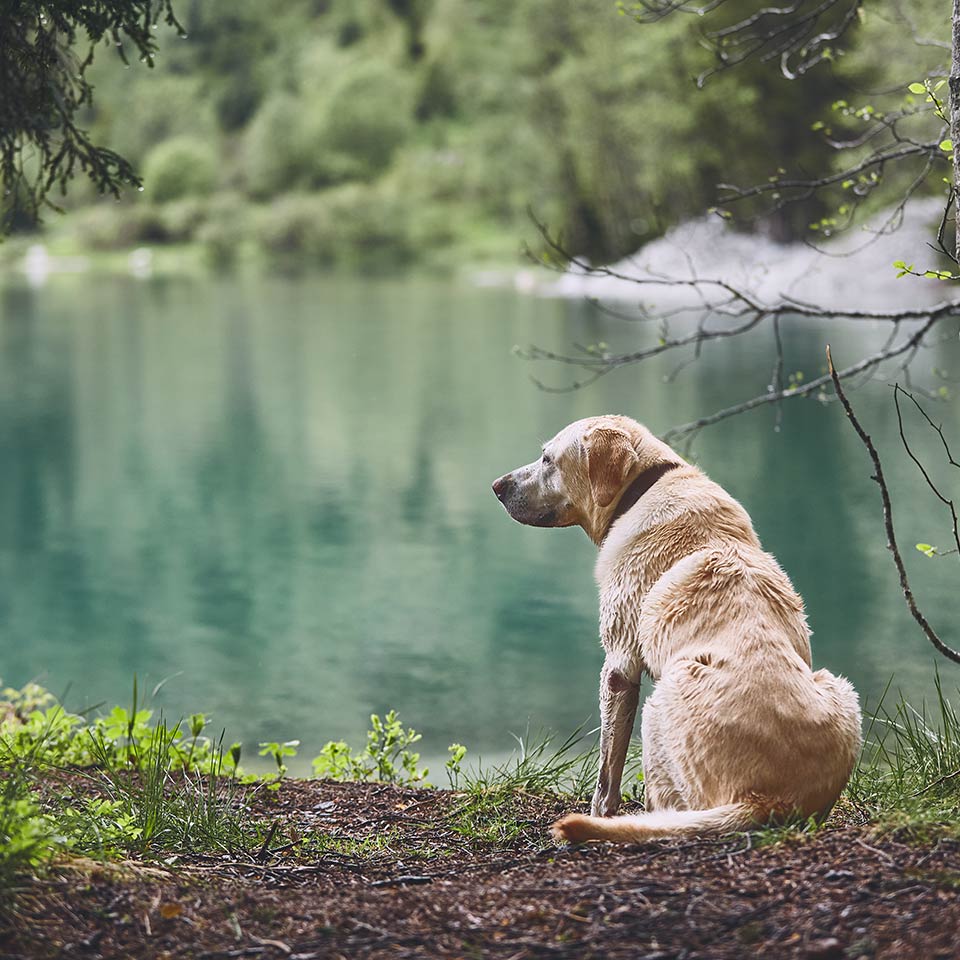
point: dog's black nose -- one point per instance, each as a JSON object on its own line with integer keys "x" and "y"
{"x": 501, "y": 485}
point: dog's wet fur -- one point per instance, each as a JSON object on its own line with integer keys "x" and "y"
{"x": 738, "y": 730}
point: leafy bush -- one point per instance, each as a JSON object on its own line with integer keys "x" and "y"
{"x": 274, "y": 150}
{"x": 118, "y": 226}
{"x": 182, "y": 167}
{"x": 225, "y": 229}
{"x": 349, "y": 225}
{"x": 297, "y": 227}
{"x": 359, "y": 126}
{"x": 182, "y": 219}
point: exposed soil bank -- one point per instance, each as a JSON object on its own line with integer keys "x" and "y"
{"x": 413, "y": 886}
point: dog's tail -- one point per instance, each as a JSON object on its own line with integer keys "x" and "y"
{"x": 576, "y": 828}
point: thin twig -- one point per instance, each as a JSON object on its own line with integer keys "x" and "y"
{"x": 915, "y": 611}
{"x": 266, "y": 843}
{"x": 897, "y": 390}
{"x": 866, "y": 364}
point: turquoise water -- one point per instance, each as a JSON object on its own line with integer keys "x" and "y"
{"x": 275, "y": 496}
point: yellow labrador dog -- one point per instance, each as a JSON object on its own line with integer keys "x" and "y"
{"x": 738, "y": 730}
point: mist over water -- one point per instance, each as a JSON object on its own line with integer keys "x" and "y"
{"x": 277, "y": 495}
{"x": 851, "y": 271}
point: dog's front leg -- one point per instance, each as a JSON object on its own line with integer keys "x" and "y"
{"x": 618, "y": 709}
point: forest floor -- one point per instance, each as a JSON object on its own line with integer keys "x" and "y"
{"x": 370, "y": 870}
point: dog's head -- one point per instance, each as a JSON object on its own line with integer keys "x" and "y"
{"x": 581, "y": 474}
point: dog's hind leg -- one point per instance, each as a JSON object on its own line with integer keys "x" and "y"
{"x": 661, "y": 790}
{"x": 619, "y": 696}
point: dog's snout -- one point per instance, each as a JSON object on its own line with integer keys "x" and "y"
{"x": 501, "y": 485}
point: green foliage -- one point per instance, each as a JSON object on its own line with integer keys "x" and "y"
{"x": 47, "y": 50}
{"x": 275, "y": 155}
{"x": 116, "y": 227}
{"x": 359, "y": 132}
{"x": 143, "y": 787}
{"x": 364, "y": 119}
{"x": 137, "y": 787}
{"x": 224, "y": 229}
{"x": 137, "y": 109}
{"x": 908, "y": 777}
{"x": 435, "y": 94}
{"x": 349, "y": 225}
{"x": 457, "y": 753}
{"x": 153, "y": 811}
{"x": 26, "y": 833}
{"x": 491, "y": 807}
{"x": 182, "y": 167}
{"x": 279, "y": 751}
{"x": 37, "y": 729}
{"x": 908, "y": 269}
{"x": 386, "y": 757}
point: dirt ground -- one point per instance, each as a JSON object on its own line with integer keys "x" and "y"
{"x": 397, "y": 880}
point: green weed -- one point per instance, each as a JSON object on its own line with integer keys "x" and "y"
{"x": 386, "y": 757}
{"x": 129, "y": 784}
{"x": 279, "y": 751}
{"x": 27, "y": 835}
{"x": 371, "y": 845}
{"x": 495, "y": 804}
{"x": 126, "y": 785}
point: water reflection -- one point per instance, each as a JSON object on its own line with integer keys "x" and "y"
{"x": 278, "y": 494}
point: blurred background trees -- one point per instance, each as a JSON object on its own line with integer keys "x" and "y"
{"x": 339, "y": 131}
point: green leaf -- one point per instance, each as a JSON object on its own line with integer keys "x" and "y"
{"x": 946, "y": 146}
{"x": 927, "y": 549}
{"x": 917, "y": 88}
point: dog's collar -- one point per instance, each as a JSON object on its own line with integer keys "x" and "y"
{"x": 640, "y": 485}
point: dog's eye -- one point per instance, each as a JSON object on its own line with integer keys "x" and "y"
{"x": 546, "y": 458}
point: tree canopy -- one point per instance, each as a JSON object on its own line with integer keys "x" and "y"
{"x": 46, "y": 49}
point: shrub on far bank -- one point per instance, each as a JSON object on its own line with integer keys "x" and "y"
{"x": 411, "y": 216}
{"x": 225, "y": 229}
{"x": 352, "y": 225}
{"x": 181, "y": 167}
{"x": 117, "y": 226}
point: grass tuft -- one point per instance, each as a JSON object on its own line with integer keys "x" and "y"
{"x": 908, "y": 777}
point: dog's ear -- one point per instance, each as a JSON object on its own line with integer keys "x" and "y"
{"x": 610, "y": 457}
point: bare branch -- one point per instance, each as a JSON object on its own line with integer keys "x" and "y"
{"x": 736, "y": 302}
{"x": 807, "y": 187}
{"x": 798, "y": 35}
{"x": 869, "y": 363}
{"x": 915, "y": 611}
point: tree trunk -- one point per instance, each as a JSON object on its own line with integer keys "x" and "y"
{"x": 955, "y": 121}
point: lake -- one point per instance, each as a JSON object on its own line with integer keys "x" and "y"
{"x": 274, "y": 495}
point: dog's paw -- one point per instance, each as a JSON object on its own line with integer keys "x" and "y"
{"x": 573, "y": 828}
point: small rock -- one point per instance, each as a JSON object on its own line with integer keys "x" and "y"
{"x": 827, "y": 949}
